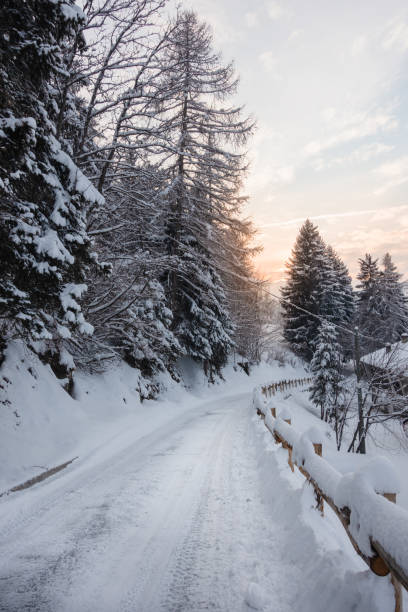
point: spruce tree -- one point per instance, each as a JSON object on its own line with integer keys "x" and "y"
{"x": 393, "y": 303}
{"x": 325, "y": 366}
{"x": 369, "y": 303}
{"x": 342, "y": 299}
{"x": 305, "y": 287}
{"x": 44, "y": 247}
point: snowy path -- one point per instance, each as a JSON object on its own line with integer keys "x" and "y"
{"x": 169, "y": 521}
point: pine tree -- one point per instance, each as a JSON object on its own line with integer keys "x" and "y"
{"x": 305, "y": 290}
{"x": 369, "y": 303}
{"x": 325, "y": 366}
{"x": 197, "y": 144}
{"x": 393, "y": 303}
{"x": 44, "y": 247}
{"x": 342, "y": 299}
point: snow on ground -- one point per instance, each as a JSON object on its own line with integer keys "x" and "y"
{"x": 42, "y": 426}
{"x": 385, "y": 475}
{"x": 332, "y": 576}
{"x": 182, "y": 504}
{"x": 381, "y": 442}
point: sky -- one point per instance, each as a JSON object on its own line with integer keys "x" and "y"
{"x": 327, "y": 82}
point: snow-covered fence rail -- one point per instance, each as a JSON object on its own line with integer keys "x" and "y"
{"x": 377, "y": 529}
{"x": 283, "y": 385}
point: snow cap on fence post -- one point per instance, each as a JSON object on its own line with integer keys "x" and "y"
{"x": 381, "y": 475}
{"x": 316, "y": 436}
{"x": 285, "y": 415}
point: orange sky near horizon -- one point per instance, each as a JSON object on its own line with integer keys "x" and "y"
{"x": 376, "y": 233}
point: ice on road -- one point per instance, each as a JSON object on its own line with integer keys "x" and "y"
{"x": 168, "y": 521}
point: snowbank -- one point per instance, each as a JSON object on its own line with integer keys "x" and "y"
{"x": 359, "y": 485}
{"x": 333, "y": 576}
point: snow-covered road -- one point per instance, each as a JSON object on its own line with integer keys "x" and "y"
{"x": 172, "y": 520}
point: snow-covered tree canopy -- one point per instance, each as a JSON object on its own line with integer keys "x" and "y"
{"x": 318, "y": 287}
{"x": 44, "y": 246}
{"x": 119, "y": 141}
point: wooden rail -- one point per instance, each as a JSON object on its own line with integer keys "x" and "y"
{"x": 283, "y": 385}
{"x": 380, "y": 561}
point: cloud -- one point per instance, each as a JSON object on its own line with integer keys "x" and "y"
{"x": 283, "y": 175}
{"x": 294, "y": 35}
{"x": 360, "y": 155}
{"x": 267, "y": 178}
{"x": 392, "y": 212}
{"x": 252, "y": 19}
{"x": 394, "y": 173}
{"x": 359, "y": 45}
{"x": 395, "y": 168}
{"x": 351, "y": 126}
{"x": 374, "y": 239}
{"x": 268, "y": 61}
{"x": 276, "y": 10}
{"x": 216, "y": 15}
{"x": 377, "y": 214}
{"x": 396, "y": 36}
{"x": 328, "y": 114}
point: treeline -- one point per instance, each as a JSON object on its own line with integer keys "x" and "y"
{"x": 326, "y": 322}
{"x": 121, "y": 163}
{"x": 319, "y": 292}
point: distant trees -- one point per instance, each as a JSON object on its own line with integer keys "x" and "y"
{"x": 317, "y": 288}
{"x": 302, "y": 291}
{"x": 394, "y": 303}
{"x": 340, "y": 298}
{"x": 326, "y": 322}
{"x": 368, "y": 300}
{"x": 382, "y": 310}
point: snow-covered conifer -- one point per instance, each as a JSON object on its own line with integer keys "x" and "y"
{"x": 393, "y": 303}
{"x": 197, "y": 136}
{"x": 341, "y": 299}
{"x": 369, "y": 303}
{"x": 44, "y": 247}
{"x": 305, "y": 287}
{"x": 325, "y": 366}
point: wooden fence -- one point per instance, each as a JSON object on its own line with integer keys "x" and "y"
{"x": 384, "y": 559}
{"x": 283, "y": 385}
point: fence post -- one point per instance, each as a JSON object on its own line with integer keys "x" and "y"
{"x": 292, "y": 467}
{"x": 273, "y": 412}
{"x": 318, "y": 449}
{"x": 392, "y": 497}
